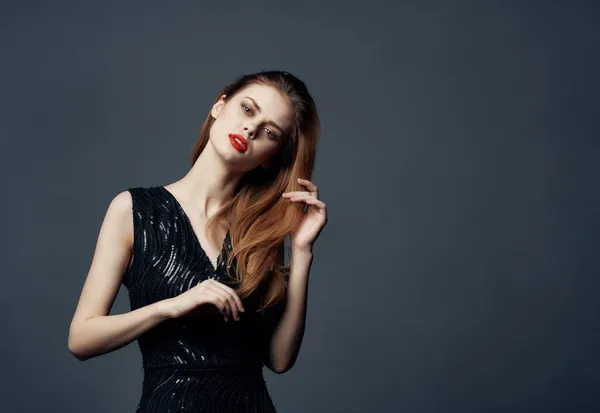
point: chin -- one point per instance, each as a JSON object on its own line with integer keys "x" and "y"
{"x": 232, "y": 158}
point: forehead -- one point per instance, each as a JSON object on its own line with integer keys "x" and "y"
{"x": 273, "y": 105}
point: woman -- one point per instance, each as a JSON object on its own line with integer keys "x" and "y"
{"x": 207, "y": 319}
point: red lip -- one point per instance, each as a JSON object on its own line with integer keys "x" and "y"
{"x": 242, "y": 145}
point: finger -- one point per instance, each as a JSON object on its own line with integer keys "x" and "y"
{"x": 230, "y": 296}
{"x": 309, "y": 185}
{"x": 295, "y": 193}
{"x": 227, "y": 304}
{"x": 218, "y": 302}
{"x": 310, "y": 200}
{"x": 231, "y": 293}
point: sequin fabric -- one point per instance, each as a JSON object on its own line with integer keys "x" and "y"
{"x": 190, "y": 364}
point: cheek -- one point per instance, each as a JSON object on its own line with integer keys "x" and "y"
{"x": 266, "y": 151}
{"x": 218, "y": 127}
{"x": 226, "y": 121}
{"x": 214, "y": 130}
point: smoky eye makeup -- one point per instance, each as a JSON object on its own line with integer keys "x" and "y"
{"x": 273, "y": 135}
{"x": 246, "y": 108}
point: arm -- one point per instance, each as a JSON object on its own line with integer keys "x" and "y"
{"x": 92, "y": 331}
{"x": 286, "y": 338}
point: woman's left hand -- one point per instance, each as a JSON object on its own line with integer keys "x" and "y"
{"x": 315, "y": 216}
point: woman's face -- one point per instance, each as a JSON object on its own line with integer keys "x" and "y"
{"x": 250, "y": 126}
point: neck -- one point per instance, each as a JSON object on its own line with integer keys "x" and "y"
{"x": 210, "y": 183}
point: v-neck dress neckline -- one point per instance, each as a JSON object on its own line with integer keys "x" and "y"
{"x": 195, "y": 236}
{"x": 195, "y": 362}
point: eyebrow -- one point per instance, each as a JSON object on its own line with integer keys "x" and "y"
{"x": 259, "y": 109}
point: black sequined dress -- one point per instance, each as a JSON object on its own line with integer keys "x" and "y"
{"x": 200, "y": 364}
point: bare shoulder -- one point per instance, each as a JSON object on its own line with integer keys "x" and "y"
{"x": 122, "y": 203}
{"x": 118, "y": 221}
{"x": 120, "y": 208}
{"x": 111, "y": 255}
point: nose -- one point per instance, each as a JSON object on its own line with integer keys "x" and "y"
{"x": 250, "y": 133}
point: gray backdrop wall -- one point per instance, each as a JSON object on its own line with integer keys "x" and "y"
{"x": 459, "y": 162}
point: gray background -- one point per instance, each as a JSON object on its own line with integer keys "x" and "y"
{"x": 458, "y": 271}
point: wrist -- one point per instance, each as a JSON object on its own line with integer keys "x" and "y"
{"x": 165, "y": 309}
{"x": 301, "y": 256}
{"x": 307, "y": 250}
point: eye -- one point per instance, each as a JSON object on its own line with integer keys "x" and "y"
{"x": 246, "y": 108}
{"x": 270, "y": 133}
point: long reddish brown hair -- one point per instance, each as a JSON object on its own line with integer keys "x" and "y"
{"x": 258, "y": 217}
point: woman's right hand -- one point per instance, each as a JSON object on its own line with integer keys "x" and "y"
{"x": 206, "y": 296}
